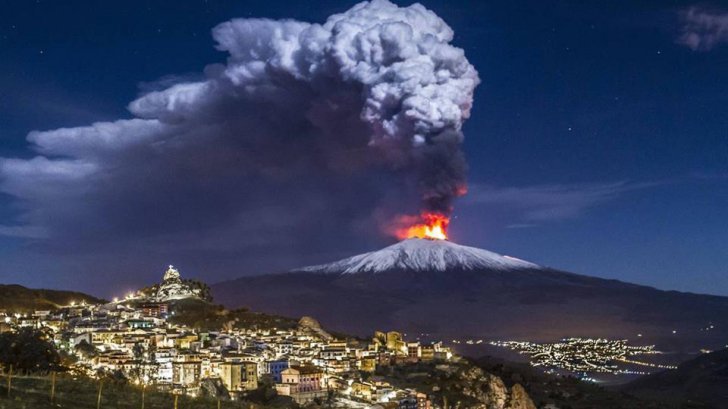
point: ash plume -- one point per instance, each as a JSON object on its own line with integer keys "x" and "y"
{"x": 303, "y": 122}
{"x": 392, "y": 66}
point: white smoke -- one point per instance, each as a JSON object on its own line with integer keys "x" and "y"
{"x": 412, "y": 82}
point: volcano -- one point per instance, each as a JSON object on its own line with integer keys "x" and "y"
{"x": 449, "y": 291}
{"x": 417, "y": 254}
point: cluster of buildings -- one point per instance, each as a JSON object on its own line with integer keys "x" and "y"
{"x": 135, "y": 337}
{"x": 587, "y": 355}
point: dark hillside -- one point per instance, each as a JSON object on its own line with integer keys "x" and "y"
{"x": 21, "y": 299}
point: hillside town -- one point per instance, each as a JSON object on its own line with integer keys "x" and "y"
{"x": 137, "y": 338}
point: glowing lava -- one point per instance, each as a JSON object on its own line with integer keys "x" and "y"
{"x": 430, "y": 226}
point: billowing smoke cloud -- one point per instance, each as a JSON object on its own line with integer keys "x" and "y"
{"x": 392, "y": 66}
{"x": 305, "y": 125}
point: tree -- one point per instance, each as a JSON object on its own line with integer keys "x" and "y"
{"x": 201, "y": 289}
{"x": 86, "y": 350}
{"x": 29, "y": 350}
{"x": 137, "y": 372}
{"x": 115, "y": 376}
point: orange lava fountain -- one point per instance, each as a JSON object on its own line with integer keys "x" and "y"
{"x": 430, "y": 226}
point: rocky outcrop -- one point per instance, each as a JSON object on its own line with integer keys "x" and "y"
{"x": 174, "y": 288}
{"x": 519, "y": 399}
{"x": 309, "y": 324}
{"x": 492, "y": 392}
{"x": 497, "y": 392}
{"x": 213, "y": 388}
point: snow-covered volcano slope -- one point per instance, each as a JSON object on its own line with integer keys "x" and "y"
{"x": 452, "y": 291}
{"x": 422, "y": 255}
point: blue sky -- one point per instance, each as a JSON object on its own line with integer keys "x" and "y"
{"x": 597, "y": 142}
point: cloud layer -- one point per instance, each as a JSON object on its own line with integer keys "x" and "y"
{"x": 703, "y": 29}
{"x": 307, "y": 131}
{"x": 545, "y": 203}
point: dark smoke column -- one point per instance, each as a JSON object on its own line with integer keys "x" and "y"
{"x": 441, "y": 170}
{"x": 418, "y": 90}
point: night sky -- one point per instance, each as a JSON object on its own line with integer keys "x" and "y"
{"x": 597, "y": 144}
